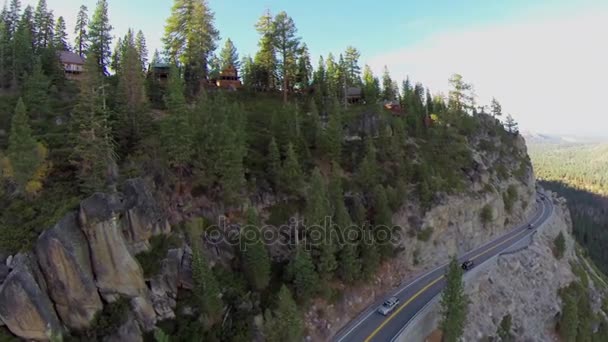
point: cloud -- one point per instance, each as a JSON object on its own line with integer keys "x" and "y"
{"x": 550, "y": 73}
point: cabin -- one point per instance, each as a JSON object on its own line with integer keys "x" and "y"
{"x": 354, "y": 95}
{"x": 229, "y": 79}
{"x": 73, "y": 64}
{"x": 160, "y": 71}
{"x": 394, "y": 107}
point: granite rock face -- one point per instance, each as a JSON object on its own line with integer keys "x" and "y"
{"x": 64, "y": 258}
{"x": 143, "y": 217}
{"x": 25, "y": 307}
{"x": 116, "y": 270}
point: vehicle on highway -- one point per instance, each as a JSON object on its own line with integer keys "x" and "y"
{"x": 388, "y": 306}
{"x": 467, "y": 265}
{"x": 531, "y": 225}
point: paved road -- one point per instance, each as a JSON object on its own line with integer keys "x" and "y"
{"x": 372, "y": 326}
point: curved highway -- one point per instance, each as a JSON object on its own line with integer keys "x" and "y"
{"x": 372, "y": 326}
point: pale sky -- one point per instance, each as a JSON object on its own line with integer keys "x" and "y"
{"x": 546, "y": 61}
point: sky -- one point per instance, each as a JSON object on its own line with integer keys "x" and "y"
{"x": 546, "y": 61}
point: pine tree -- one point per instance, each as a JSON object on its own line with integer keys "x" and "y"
{"x": 12, "y": 16}
{"x": 266, "y": 59}
{"x": 305, "y": 278}
{"x": 81, "y": 43}
{"x": 349, "y": 265}
{"x": 569, "y": 320}
{"x": 93, "y": 153}
{"x": 371, "y": 85}
{"x": 176, "y": 130}
{"x": 331, "y": 143}
{"x": 370, "y": 257}
{"x": 100, "y": 36}
{"x": 206, "y": 289}
{"x": 311, "y": 125}
{"x": 284, "y": 323}
{"x": 22, "y": 151}
{"x": 44, "y": 25}
{"x": 286, "y": 43}
{"x": 291, "y": 178}
{"x": 460, "y": 97}
{"x": 332, "y": 76}
{"x": 454, "y": 303}
{"x": 274, "y": 163}
{"x": 132, "y": 95}
{"x": 190, "y": 38}
{"x": 504, "y": 329}
{"x": 256, "y": 262}
{"x": 23, "y": 53}
{"x": 496, "y": 108}
{"x": 304, "y": 75}
{"x": 60, "y": 38}
{"x": 229, "y": 56}
{"x": 142, "y": 49}
{"x": 117, "y": 55}
{"x": 36, "y": 92}
{"x": 320, "y": 83}
{"x": 5, "y": 53}
{"x": 367, "y": 173}
{"x": 511, "y": 125}
{"x": 388, "y": 91}
{"x": 353, "y": 70}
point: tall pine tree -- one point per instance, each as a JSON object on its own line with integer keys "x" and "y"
{"x": 60, "y": 38}
{"x": 100, "y": 36}
{"x": 255, "y": 259}
{"x": 454, "y": 303}
{"x": 81, "y": 42}
{"x": 265, "y": 59}
{"x": 284, "y": 322}
{"x": 229, "y": 56}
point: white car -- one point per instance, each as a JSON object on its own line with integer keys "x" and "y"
{"x": 388, "y": 306}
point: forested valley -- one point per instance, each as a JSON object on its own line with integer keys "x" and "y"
{"x": 579, "y": 172}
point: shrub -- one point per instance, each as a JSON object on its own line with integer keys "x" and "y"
{"x": 509, "y": 198}
{"x": 425, "y": 234}
{"x": 159, "y": 245}
{"x": 486, "y": 214}
{"x": 559, "y": 245}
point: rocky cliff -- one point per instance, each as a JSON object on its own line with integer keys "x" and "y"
{"x": 85, "y": 262}
{"x": 525, "y": 285}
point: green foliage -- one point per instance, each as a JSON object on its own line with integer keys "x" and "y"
{"x": 454, "y": 303}
{"x": 509, "y": 198}
{"x": 206, "y": 289}
{"x": 150, "y": 260}
{"x": 575, "y": 323}
{"x": 504, "y": 329}
{"x": 425, "y": 234}
{"x": 23, "y": 150}
{"x": 229, "y": 56}
{"x": 302, "y": 271}
{"x": 559, "y": 245}
{"x": 290, "y": 177}
{"x": 255, "y": 259}
{"x": 107, "y": 321}
{"x": 284, "y": 323}
{"x": 161, "y": 336}
{"x": 486, "y": 215}
{"x": 100, "y": 36}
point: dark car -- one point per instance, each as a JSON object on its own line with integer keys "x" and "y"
{"x": 467, "y": 265}
{"x": 531, "y": 225}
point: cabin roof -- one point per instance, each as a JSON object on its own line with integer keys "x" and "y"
{"x": 69, "y": 57}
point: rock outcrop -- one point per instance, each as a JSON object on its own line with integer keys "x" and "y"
{"x": 86, "y": 257}
{"x": 116, "y": 270}
{"x": 64, "y": 258}
{"x": 144, "y": 217}
{"x": 25, "y": 306}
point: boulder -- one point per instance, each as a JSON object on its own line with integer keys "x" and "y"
{"x": 63, "y": 254}
{"x": 143, "y": 216}
{"x": 116, "y": 270}
{"x": 164, "y": 285}
{"x": 25, "y": 307}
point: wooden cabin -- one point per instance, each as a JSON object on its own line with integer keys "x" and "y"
{"x": 229, "y": 79}
{"x": 73, "y": 64}
{"x": 394, "y": 107}
{"x": 354, "y": 95}
{"x": 160, "y": 71}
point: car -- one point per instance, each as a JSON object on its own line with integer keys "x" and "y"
{"x": 467, "y": 265}
{"x": 531, "y": 225}
{"x": 388, "y": 306}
